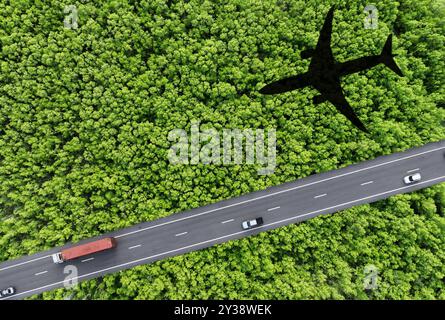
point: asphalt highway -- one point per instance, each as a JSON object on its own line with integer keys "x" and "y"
{"x": 206, "y": 226}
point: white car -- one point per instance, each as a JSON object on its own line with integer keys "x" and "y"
{"x": 249, "y": 224}
{"x": 7, "y": 292}
{"x": 412, "y": 178}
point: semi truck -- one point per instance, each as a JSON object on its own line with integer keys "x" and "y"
{"x": 84, "y": 250}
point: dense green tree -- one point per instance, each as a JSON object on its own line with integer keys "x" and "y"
{"x": 85, "y": 115}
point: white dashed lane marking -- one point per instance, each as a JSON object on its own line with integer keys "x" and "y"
{"x": 181, "y": 234}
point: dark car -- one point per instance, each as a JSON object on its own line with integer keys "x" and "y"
{"x": 7, "y": 292}
{"x": 249, "y": 224}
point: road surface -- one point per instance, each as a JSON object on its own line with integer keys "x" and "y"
{"x": 199, "y": 228}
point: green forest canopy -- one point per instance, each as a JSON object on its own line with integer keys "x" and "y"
{"x": 85, "y": 115}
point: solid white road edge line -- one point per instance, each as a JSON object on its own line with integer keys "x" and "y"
{"x": 25, "y": 262}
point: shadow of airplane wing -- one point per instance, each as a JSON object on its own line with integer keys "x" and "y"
{"x": 334, "y": 94}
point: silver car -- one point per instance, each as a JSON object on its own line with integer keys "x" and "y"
{"x": 249, "y": 224}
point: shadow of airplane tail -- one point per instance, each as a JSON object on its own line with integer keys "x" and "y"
{"x": 388, "y": 58}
